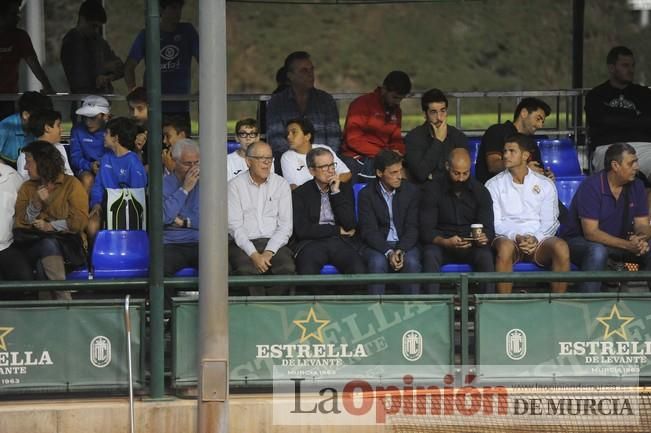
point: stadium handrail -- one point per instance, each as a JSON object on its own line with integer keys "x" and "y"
{"x": 571, "y": 111}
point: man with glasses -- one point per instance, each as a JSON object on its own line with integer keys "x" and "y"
{"x": 429, "y": 144}
{"x": 259, "y": 218}
{"x": 181, "y": 209}
{"x": 293, "y": 162}
{"x": 388, "y": 222}
{"x": 374, "y": 122}
{"x": 324, "y": 219}
{"x": 246, "y": 133}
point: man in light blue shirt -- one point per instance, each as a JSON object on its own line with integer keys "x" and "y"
{"x": 181, "y": 209}
{"x": 12, "y": 128}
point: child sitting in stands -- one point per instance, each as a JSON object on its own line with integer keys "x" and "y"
{"x": 120, "y": 167}
{"x": 87, "y": 137}
{"x": 175, "y": 128}
{"x": 139, "y": 112}
{"x": 45, "y": 125}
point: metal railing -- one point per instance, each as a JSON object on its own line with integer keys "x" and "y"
{"x": 567, "y": 113}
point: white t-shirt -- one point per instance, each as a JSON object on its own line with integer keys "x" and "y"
{"x": 235, "y": 164}
{"x": 20, "y": 164}
{"x": 295, "y": 169}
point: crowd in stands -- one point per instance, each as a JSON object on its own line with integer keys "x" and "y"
{"x": 311, "y": 195}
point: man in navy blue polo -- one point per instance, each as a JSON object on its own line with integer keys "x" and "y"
{"x": 609, "y": 217}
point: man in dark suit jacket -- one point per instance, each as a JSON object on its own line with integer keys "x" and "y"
{"x": 324, "y": 219}
{"x": 388, "y": 222}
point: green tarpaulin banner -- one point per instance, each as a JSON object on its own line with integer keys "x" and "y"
{"x": 68, "y": 346}
{"x": 318, "y": 337}
{"x": 602, "y": 336}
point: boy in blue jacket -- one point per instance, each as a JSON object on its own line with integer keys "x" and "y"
{"x": 120, "y": 167}
{"x": 87, "y": 137}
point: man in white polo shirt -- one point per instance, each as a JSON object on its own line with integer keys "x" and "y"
{"x": 259, "y": 217}
{"x": 525, "y": 206}
{"x": 299, "y": 137}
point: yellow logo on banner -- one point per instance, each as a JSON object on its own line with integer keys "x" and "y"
{"x": 317, "y": 333}
{"x": 3, "y": 333}
{"x": 615, "y": 323}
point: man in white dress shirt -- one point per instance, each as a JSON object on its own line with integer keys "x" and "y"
{"x": 525, "y": 206}
{"x": 259, "y": 217}
{"x": 299, "y": 137}
{"x": 246, "y": 133}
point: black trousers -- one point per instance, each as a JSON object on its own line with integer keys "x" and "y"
{"x": 479, "y": 258}
{"x": 282, "y": 263}
{"x": 335, "y": 251}
{"x": 14, "y": 265}
{"x": 179, "y": 256}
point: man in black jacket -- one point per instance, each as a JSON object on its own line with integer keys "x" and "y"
{"x": 529, "y": 117}
{"x": 388, "y": 222}
{"x": 449, "y": 206}
{"x": 324, "y": 219}
{"x": 619, "y": 111}
{"x": 428, "y": 145}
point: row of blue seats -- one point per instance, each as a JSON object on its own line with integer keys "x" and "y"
{"x": 559, "y": 155}
{"x": 121, "y": 254}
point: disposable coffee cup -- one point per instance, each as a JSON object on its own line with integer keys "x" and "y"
{"x": 476, "y": 230}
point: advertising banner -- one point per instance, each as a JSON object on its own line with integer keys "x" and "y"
{"x": 68, "y": 346}
{"x": 316, "y": 339}
{"x": 598, "y": 336}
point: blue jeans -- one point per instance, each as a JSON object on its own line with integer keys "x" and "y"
{"x": 378, "y": 263}
{"x": 593, "y": 256}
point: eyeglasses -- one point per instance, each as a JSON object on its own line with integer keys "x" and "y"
{"x": 263, "y": 159}
{"x": 326, "y": 167}
{"x": 247, "y": 134}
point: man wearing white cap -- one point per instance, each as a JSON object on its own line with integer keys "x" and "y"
{"x": 87, "y": 137}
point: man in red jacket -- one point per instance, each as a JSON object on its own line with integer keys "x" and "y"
{"x": 373, "y": 124}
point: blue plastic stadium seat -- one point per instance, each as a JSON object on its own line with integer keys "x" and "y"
{"x": 532, "y": 267}
{"x": 456, "y": 267}
{"x": 473, "y": 147}
{"x": 329, "y": 269}
{"x": 527, "y": 267}
{"x": 567, "y": 187}
{"x": 120, "y": 254}
{"x": 187, "y": 272}
{"x": 78, "y": 274}
{"x": 561, "y": 156}
{"x": 232, "y": 146}
{"x": 356, "y": 189}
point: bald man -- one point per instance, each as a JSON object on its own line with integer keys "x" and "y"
{"x": 449, "y": 206}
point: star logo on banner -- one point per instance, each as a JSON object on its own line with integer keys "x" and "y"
{"x": 3, "y": 333}
{"x": 615, "y": 323}
{"x": 311, "y": 327}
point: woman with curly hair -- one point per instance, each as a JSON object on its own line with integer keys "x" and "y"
{"x": 51, "y": 214}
